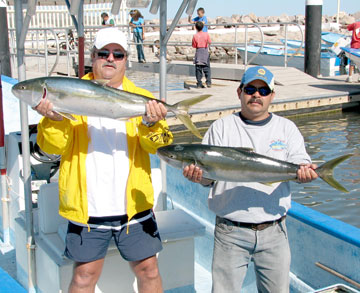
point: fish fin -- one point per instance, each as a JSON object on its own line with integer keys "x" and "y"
{"x": 185, "y": 118}
{"x": 325, "y": 172}
{"x": 186, "y": 104}
{"x": 66, "y": 115}
{"x": 181, "y": 110}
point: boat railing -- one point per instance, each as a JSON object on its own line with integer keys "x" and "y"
{"x": 245, "y": 28}
{"x": 50, "y": 43}
{"x": 39, "y": 39}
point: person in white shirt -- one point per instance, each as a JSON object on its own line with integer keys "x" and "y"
{"x": 250, "y": 217}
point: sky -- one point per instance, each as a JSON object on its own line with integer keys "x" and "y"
{"x": 214, "y": 8}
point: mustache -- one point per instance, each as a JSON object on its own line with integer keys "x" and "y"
{"x": 107, "y": 63}
{"x": 255, "y": 100}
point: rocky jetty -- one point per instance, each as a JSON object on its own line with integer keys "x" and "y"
{"x": 228, "y": 32}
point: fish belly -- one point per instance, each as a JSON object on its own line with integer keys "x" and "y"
{"x": 98, "y": 107}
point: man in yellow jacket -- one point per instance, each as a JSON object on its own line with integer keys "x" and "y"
{"x": 105, "y": 184}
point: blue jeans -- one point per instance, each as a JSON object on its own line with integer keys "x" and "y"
{"x": 139, "y": 47}
{"x": 235, "y": 247}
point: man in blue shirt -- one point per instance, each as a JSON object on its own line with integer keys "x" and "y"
{"x": 201, "y": 17}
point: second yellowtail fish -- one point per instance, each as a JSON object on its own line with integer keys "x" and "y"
{"x": 241, "y": 164}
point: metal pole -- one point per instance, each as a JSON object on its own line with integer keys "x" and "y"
{"x": 246, "y": 45}
{"x": 4, "y": 193}
{"x": 163, "y": 45}
{"x": 285, "y": 49}
{"x": 5, "y": 204}
{"x": 162, "y": 78}
{"x": 337, "y": 274}
{"x": 164, "y": 38}
{"x": 4, "y": 44}
{"x": 30, "y": 245}
{"x": 81, "y": 40}
{"x": 236, "y": 51}
{"x": 313, "y": 37}
{"x": 175, "y": 21}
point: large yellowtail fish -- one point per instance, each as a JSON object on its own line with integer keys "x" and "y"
{"x": 91, "y": 98}
{"x": 241, "y": 164}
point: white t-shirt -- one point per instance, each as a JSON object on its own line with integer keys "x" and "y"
{"x": 107, "y": 167}
{"x": 255, "y": 202}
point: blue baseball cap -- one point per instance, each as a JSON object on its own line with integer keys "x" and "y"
{"x": 261, "y": 73}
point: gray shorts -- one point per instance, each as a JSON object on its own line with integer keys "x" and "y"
{"x": 141, "y": 241}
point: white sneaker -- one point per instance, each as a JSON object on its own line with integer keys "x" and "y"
{"x": 349, "y": 79}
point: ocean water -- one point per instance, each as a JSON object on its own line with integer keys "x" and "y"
{"x": 328, "y": 136}
{"x": 151, "y": 81}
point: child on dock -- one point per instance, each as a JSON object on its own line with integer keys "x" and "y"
{"x": 201, "y": 41}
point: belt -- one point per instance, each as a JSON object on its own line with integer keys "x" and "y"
{"x": 255, "y": 227}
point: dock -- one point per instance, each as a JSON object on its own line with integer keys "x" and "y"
{"x": 295, "y": 91}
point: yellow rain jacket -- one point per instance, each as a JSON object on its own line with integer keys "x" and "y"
{"x": 70, "y": 140}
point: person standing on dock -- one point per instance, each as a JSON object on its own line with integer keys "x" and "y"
{"x": 201, "y": 41}
{"x": 105, "y": 186}
{"x": 355, "y": 44}
{"x": 251, "y": 217}
{"x": 201, "y": 17}
{"x": 137, "y": 23}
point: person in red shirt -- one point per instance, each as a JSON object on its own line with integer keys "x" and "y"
{"x": 201, "y": 41}
{"x": 355, "y": 43}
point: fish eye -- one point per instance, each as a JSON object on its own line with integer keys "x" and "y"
{"x": 22, "y": 87}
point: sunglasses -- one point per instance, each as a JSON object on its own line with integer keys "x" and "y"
{"x": 104, "y": 54}
{"x": 263, "y": 91}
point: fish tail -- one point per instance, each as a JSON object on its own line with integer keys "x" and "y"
{"x": 181, "y": 110}
{"x": 325, "y": 172}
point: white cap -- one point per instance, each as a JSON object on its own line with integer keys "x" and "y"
{"x": 108, "y": 36}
